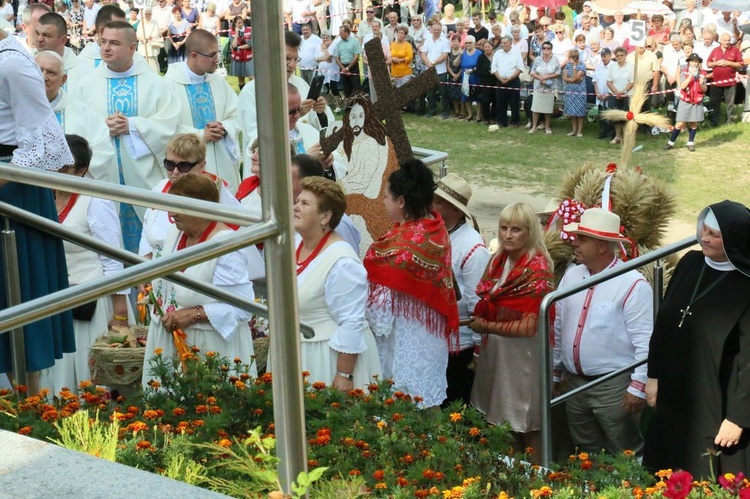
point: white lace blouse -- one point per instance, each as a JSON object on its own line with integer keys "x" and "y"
{"x": 26, "y": 118}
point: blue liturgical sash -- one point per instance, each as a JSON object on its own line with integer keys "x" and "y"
{"x": 201, "y": 101}
{"x": 60, "y": 115}
{"x": 122, "y": 97}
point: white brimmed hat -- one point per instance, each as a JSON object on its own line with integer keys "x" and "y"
{"x": 599, "y": 224}
{"x": 457, "y": 192}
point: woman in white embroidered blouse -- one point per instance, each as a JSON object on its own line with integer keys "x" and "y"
{"x": 208, "y": 324}
{"x": 332, "y": 286}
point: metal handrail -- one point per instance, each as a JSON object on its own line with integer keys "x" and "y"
{"x": 431, "y": 157}
{"x": 591, "y": 384}
{"x": 543, "y": 333}
{"x": 123, "y": 193}
{"x": 65, "y": 299}
{"x": 129, "y": 258}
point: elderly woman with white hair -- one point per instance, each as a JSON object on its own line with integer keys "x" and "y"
{"x": 468, "y": 64}
{"x": 698, "y": 357}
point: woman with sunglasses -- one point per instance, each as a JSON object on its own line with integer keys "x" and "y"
{"x": 544, "y": 71}
{"x": 186, "y": 153}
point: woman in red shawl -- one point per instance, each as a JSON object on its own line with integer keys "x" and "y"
{"x": 412, "y": 303}
{"x": 506, "y": 385}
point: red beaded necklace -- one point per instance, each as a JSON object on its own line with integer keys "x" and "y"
{"x": 184, "y": 237}
{"x": 301, "y": 266}
{"x": 62, "y": 215}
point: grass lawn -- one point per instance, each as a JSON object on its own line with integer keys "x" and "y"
{"x": 511, "y": 159}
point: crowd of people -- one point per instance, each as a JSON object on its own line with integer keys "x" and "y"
{"x": 426, "y": 305}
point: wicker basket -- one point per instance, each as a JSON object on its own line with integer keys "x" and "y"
{"x": 117, "y": 365}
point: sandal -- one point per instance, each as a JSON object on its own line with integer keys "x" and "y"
{"x": 469, "y": 118}
{"x": 616, "y": 140}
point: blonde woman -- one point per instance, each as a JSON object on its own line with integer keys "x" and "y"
{"x": 517, "y": 277}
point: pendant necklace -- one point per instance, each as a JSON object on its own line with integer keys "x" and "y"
{"x": 686, "y": 311}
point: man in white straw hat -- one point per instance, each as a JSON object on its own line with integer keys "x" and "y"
{"x": 598, "y": 331}
{"x": 469, "y": 257}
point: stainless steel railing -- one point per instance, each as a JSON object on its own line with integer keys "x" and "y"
{"x": 543, "y": 334}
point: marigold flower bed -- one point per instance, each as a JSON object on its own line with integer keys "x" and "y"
{"x": 212, "y": 426}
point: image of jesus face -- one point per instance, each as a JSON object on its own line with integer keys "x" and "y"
{"x": 357, "y": 119}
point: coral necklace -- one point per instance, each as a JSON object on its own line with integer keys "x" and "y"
{"x": 301, "y": 266}
{"x": 62, "y": 215}
{"x": 184, "y": 237}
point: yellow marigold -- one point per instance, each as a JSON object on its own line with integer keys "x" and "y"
{"x": 729, "y": 477}
{"x": 503, "y": 495}
{"x": 545, "y": 491}
{"x": 434, "y": 491}
{"x": 381, "y": 485}
{"x": 471, "y": 480}
{"x": 382, "y": 424}
{"x": 650, "y": 491}
{"x": 455, "y": 492}
{"x": 158, "y": 351}
{"x": 583, "y": 456}
{"x": 225, "y": 442}
{"x": 455, "y": 417}
{"x": 664, "y": 474}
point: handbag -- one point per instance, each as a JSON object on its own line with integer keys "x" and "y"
{"x": 465, "y": 89}
{"x": 84, "y": 312}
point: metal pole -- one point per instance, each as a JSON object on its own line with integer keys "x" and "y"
{"x": 129, "y": 259}
{"x": 126, "y": 194}
{"x": 13, "y": 297}
{"x": 591, "y": 384}
{"x": 545, "y": 386}
{"x": 658, "y": 287}
{"x": 275, "y": 167}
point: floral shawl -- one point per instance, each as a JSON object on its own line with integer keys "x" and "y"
{"x": 527, "y": 283}
{"x": 414, "y": 259}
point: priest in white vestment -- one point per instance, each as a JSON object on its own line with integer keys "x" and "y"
{"x": 208, "y": 105}
{"x": 141, "y": 114}
{"x": 247, "y": 110}
{"x": 52, "y": 34}
{"x": 80, "y": 119}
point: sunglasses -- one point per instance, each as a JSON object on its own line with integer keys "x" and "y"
{"x": 292, "y": 112}
{"x": 182, "y": 166}
{"x": 559, "y": 32}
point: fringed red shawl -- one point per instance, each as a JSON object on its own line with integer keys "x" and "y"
{"x": 414, "y": 258}
{"x": 527, "y": 283}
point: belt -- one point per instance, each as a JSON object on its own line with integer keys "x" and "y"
{"x": 6, "y": 150}
{"x": 586, "y": 377}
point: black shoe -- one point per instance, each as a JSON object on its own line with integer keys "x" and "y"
{"x": 691, "y": 148}
{"x": 667, "y": 147}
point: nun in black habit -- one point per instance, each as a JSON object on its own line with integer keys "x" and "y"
{"x": 699, "y": 357}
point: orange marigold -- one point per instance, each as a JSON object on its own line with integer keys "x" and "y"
{"x": 143, "y": 444}
{"x": 474, "y": 431}
{"x": 378, "y": 475}
{"x": 215, "y": 409}
{"x": 201, "y": 409}
{"x": 84, "y": 384}
{"x": 455, "y": 417}
{"x": 150, "y": 414}
{"x": 402, "y": 482}
{"x": 381, "y": 485}
{"x": 355, "y": 473}
{"x": 49, "y": 415}
{"x": 239, "y": 384}
{"x": 158, "y": 351}
{"x": 178, "y": 411}
{"x": 319, "y": 385}
{"x": 225, "y": 442}
{"x": 25, "y": 430}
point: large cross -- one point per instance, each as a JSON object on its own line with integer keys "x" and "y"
{"x": 390, "y": 101}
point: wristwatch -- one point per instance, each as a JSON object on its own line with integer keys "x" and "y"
{"x": 348, "y": 376}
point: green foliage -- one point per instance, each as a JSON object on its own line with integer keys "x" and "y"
{"x": 91, "y": 436}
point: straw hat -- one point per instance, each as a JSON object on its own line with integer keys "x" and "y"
{"x": 599, "y": 224}
{"x": 457, "y": 192}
